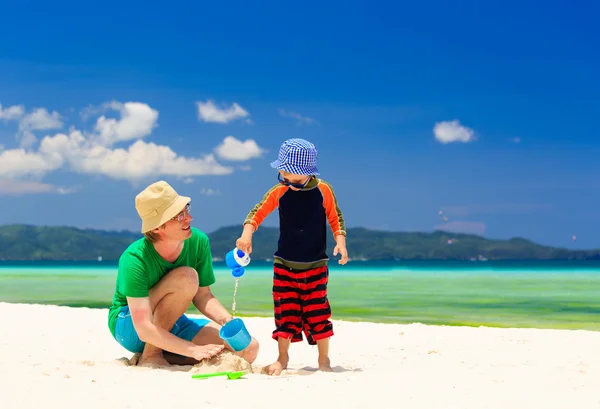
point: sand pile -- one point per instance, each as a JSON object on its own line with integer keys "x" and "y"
{"x": 225, "y": 362}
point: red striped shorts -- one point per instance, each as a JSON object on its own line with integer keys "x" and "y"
{"x": 301, "y": 304}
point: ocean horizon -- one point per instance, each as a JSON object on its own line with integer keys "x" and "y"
{"x": 561, "y": 294}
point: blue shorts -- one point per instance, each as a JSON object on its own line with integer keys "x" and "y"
{"x": 125, "y": 334}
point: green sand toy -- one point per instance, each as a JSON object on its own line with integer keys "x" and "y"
{"x": 230, "y": 375}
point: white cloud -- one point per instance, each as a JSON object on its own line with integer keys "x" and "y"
{"x": 463, "y": 227}
{"x": 12, "y": 113}
{"x": 26, "y": 139}
{"x": 140, "y": 160}
{"x": 65, "y": 191}
{"x": 516, "y": 140}
{"x": 93, "y": 152}
{"x": 452, "y": 131}
{"x": 299, "y": 118}
{"x": 236, "y": 150}
{"x": 10, "y": 187}
{"x": 37, "y": 120}
{"x": 209, "y": 112}
{"x": 497, "y": 208}
{"x": 93, "y": 110}
{"x": 41, "y": 119}
{"x": 209, "y": 192}
{"x": 17, "y": 163}
{"x": 144, "y": 159}
{"x": 137, "y": 121}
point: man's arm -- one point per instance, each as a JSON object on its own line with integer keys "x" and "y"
{"x": 141, "y": 315}
{"x": 140, "y": 307}
{"x": 207, "y": 304}
{"x": 135, "y": 288}
{"x": 204, "y": 300}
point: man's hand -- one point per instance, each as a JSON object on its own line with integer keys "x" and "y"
{"x": 141, "y": 315}
{"x": 341, "y": 249}
{"x": 200, "y": 352}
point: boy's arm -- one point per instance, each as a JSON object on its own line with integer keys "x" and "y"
{"x": 262, "y": 209}
{"x": 256, "y": 216}
{"x": 335, "y": 219}
{"x": 332, "y": 211}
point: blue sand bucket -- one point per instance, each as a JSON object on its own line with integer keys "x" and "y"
{"x": 236, "y": 334}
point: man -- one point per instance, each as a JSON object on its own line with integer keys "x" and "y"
{"x": 158, "y": 277}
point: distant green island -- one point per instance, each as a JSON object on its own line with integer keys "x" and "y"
{"x": 25, "y": 242}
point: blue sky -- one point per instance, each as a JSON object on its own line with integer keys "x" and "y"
{"x": 486, "y": 112}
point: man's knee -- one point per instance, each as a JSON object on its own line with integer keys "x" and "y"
{"x": 251, "y": 352}
{"x": 184, "y": 279}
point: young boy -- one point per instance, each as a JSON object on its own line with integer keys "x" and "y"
{"x": 306, "y": 204}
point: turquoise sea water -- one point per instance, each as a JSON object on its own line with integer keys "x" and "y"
{"x": 553, "y": 294}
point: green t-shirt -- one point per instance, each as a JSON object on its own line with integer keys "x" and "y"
{"x": 141, "y": 267}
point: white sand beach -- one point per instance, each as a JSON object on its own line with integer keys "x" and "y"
{"x": 60, "y": 357}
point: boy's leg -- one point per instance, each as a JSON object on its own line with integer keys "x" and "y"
{"x": 287, "y": 311}
{"x": 283, "y": 344}
{"x": 324, "y": 362}
{"x": 316, "y": 313}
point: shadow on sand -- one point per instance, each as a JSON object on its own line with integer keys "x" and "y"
{"x": 309, "y": 370}
{"x": 235, "y": 364}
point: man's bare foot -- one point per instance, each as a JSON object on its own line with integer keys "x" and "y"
{"x": 277, "y": 367}
{"x": 325, "y": 365}
{"x": 154, "y": 360}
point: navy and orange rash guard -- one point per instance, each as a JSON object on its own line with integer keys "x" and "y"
{"x": 303, "y": 218}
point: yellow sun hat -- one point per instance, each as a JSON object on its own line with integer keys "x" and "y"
{"x": 157, "y": 204}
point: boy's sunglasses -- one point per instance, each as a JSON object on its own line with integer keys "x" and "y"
{"x": 288, "y": 183}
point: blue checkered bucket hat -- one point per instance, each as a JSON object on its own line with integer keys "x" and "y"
{"x": 297, "y": 156}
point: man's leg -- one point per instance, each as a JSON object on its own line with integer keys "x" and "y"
{"x": 169, "y": 299}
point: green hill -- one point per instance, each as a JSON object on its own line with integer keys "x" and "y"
{"x": 24, "y": 242}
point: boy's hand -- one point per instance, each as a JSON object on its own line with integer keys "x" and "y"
{"x": 341, "y": 249}
{"x": 244, "y": 243}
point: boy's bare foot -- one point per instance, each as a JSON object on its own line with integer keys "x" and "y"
{"x": 153, "y": 360}
{"x": 277, "y": 367}
{"x": 325, "y": 365}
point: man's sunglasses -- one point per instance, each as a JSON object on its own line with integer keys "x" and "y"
{"x": 288, "y": 183}
{"x": 181, "y": 215}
